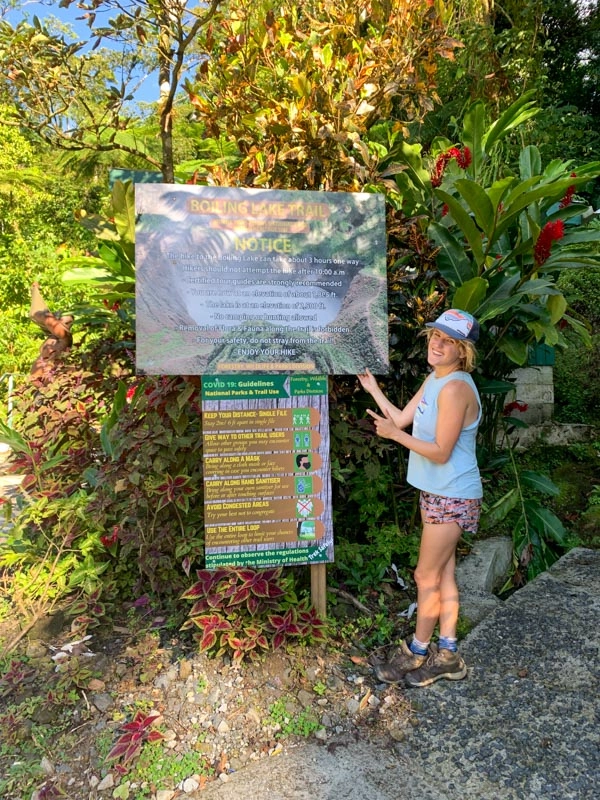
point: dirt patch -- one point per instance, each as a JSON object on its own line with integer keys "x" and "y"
{"x": 64, "y": 705}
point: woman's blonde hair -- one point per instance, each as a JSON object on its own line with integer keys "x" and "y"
{"x": 466, "y": 349}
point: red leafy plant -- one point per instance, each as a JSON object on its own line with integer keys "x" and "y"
{"x": 15, "y": 677}
{"x": 134, "y": 734}
{"x": 245, "y": 611}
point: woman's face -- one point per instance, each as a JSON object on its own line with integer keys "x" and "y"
{"x": 443, "y": 351}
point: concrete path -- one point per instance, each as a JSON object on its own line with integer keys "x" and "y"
{"x": 524, "y": 725}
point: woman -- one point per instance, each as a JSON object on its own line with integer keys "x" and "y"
{"x": 442, "y": 464}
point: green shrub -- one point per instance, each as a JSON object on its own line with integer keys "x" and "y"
{"x": 577, "y": 367}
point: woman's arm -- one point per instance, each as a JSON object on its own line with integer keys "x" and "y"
{"x": 455, "y": 401}
{"x": 401, "y": 418}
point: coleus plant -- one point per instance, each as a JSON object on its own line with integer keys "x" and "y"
{"x": 133, "y": 736}
{"x": 244, "y": 611}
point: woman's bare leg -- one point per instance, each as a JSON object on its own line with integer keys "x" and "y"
{"x": 437, "y": 593}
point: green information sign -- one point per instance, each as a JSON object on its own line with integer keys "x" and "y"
{"x": 267, "y": 478}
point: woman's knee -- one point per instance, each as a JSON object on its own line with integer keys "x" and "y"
{"x": 427, "y": 579}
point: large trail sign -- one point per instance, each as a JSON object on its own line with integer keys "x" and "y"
{"x": 249, "y": 280}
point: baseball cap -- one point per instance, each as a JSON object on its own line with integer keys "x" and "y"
{"x": 457, "y": 324}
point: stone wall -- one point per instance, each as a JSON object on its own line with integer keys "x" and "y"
{"x": 534, "y": 386}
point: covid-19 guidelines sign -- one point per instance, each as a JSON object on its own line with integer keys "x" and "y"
{"x": 249, "y": 280}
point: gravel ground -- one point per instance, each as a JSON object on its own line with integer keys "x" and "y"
{"x": 524, "y": 725}
{"x": 216, "y": 718}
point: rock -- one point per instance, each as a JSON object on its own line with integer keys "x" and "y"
{"x": 49, "y": 627}
{"x": 165, "y": 679}
{"x": 352, "y": 705}
{"x": 189, "y": 785}
{"x": 107, "y": 782}
{"x": 397, "y": 734}
{"x": 165, "y": 794}
{"x": 253, "y": 716}
{"x": 223, "y": 727}
{"x": 46, "y": 766}
{"x": 36, "y": 649}
{"x": 305, "y": 698}
{"x": 103, "y": 701}
{"x": 185, "y": 670}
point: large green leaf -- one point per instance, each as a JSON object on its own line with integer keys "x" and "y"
{"x": 498, "y": 190}
{"x": 87, "y": 275}
{"x": 541, "y": 483}
{"x": 411, "y": 156}
{"x": 515, "y": 349}
{"x": 470, "y": 295}
{"x": 585, "y": 236}
{"x": 520, "y": 111}
{"x": 530, "y": 162}
{"x": 538, "y": 286}
{"x": 544, "y": 331}
{"x": 465, "y": 222}
{"x": 120, "y": 399}
{"x": 123, "y": 205}
{"x": 453, "y": 263}
{"x": 580, "y": 328}
{"x": 500, "y": 510}
{"x": 490, "y": 310}
{"x": 473, "y": 134}
{"x": 501, "y": 299}
{"x": 479, "y": 203}
{"x": 556, "y": 305}
{"x": 568, "y": 260}
{"x": 13, "y": 439}
{"x": 549, "y": 192}
{"x": 487, "y": 386}
{"x": 545, "y": 522}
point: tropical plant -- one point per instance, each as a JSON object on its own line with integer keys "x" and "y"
{"x": 538, "y": 535}
{"x": 503, "y": 236}
{"x": 299, "y": 87}
{"x": 129, "y": 744}
{"x": 80, "y": 99}
{"x": 110, "y": 271}
{"x": 243, "y": 611}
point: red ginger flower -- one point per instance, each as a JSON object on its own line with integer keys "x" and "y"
{"x": 463, "y": 159}
{"x": 514, "y": 406}
{"x": 566, "y": 201}
{"x": 551, "y": 232}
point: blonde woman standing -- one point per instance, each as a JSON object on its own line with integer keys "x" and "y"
{"x": 444, "y": 414}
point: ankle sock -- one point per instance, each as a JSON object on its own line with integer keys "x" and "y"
{"x": 448, "y": 643}
{"x": 419, "y": 648}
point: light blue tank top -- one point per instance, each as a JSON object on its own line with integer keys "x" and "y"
{"x": 459, "y": 476}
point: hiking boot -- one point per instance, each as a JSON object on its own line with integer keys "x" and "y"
{"x": 441, "y": 663}
{"x": 394, "y": 670}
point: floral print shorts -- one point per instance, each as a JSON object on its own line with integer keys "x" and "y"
{"x": 436, "y": 510}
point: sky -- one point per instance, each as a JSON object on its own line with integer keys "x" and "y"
{"x": 30, "y": 8}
